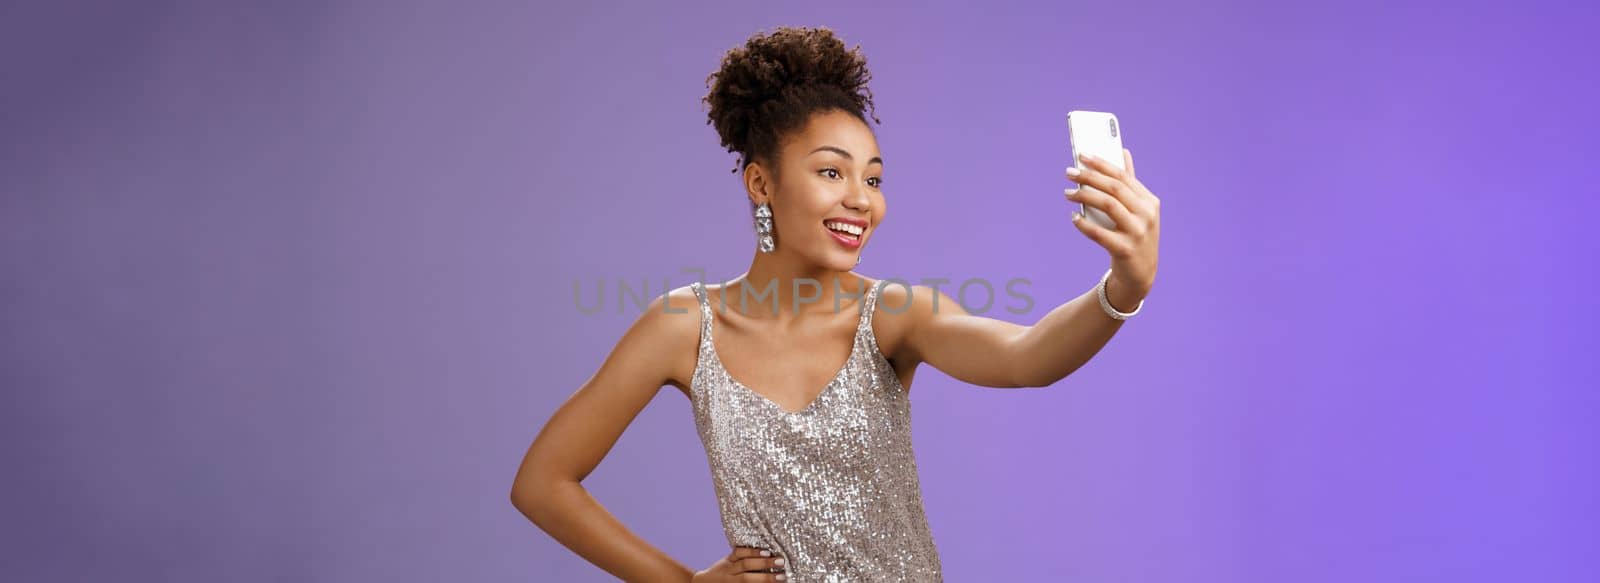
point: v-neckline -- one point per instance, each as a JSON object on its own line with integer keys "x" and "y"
{"x": 716, "y": 358}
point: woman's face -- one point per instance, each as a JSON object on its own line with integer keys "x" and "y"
{"x": 829, "y": 185}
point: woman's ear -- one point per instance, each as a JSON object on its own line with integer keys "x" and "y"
{"x": 757, "y": 183}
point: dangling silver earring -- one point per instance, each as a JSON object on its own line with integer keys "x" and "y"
{"x": 764, "y": 228}
{"x": 858, "y": 260}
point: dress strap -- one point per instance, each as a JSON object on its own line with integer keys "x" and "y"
{"x": 705, "y": 309}
{"x": 869, "y": 303}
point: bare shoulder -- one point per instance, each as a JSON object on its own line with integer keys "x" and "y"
{"x": 671, "y": 323}
{"x": 901, "y": 309}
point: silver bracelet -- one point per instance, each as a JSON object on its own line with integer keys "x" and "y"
{"x": 1100, "y": 289}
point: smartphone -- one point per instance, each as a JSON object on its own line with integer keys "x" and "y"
{"x": 1098, "y": 134}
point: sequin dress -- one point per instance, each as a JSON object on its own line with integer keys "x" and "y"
{"x": 832, "y": 488}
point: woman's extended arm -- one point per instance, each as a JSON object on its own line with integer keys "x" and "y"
{"x": 578, "y": 435}
{"x": 996, "y": 353}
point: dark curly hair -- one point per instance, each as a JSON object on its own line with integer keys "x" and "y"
{"x": 774, "y": 82}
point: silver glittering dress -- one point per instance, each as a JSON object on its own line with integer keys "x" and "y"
{"x": 832, "y": 488}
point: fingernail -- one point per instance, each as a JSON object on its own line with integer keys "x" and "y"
{"x": 1074, "y": 171}
{"x": 782, "y": 577}
{"x": 766, "y": 553}
{"x": 1071, "y": 192}
{"x": 1086, "y": 156}
{"x": 778, "y": 562}
{"x": 1076, "y": 216}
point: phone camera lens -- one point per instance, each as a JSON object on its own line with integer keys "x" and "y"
{"x": 1113, "y": 128}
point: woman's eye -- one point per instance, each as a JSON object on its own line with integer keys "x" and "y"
{"x": 875, "y": 181}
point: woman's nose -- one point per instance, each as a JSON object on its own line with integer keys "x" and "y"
{"x": 857, "y": 200}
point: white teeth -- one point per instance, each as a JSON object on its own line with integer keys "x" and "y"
{"x": 844, "y": 228}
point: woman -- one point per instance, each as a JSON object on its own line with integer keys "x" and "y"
{"x": 812, "y": 459}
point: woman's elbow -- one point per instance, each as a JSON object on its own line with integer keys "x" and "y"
{"x": 525, "y": 497}
{"x": 532, "y": 494}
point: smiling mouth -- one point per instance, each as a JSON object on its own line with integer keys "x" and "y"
{"x": 845, "y": 230}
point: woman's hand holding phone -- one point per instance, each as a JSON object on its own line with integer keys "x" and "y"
{"x": 1134, "y": 240}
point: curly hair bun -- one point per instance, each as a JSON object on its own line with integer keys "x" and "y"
{"x": 774, "y": 83}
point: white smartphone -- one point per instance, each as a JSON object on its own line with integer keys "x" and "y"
{"x": 1098, "y": 134}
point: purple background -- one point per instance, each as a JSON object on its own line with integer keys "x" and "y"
{"x": 288, "y": 286}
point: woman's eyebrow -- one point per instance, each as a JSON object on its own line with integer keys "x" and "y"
{"x": 847, "y": 156}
